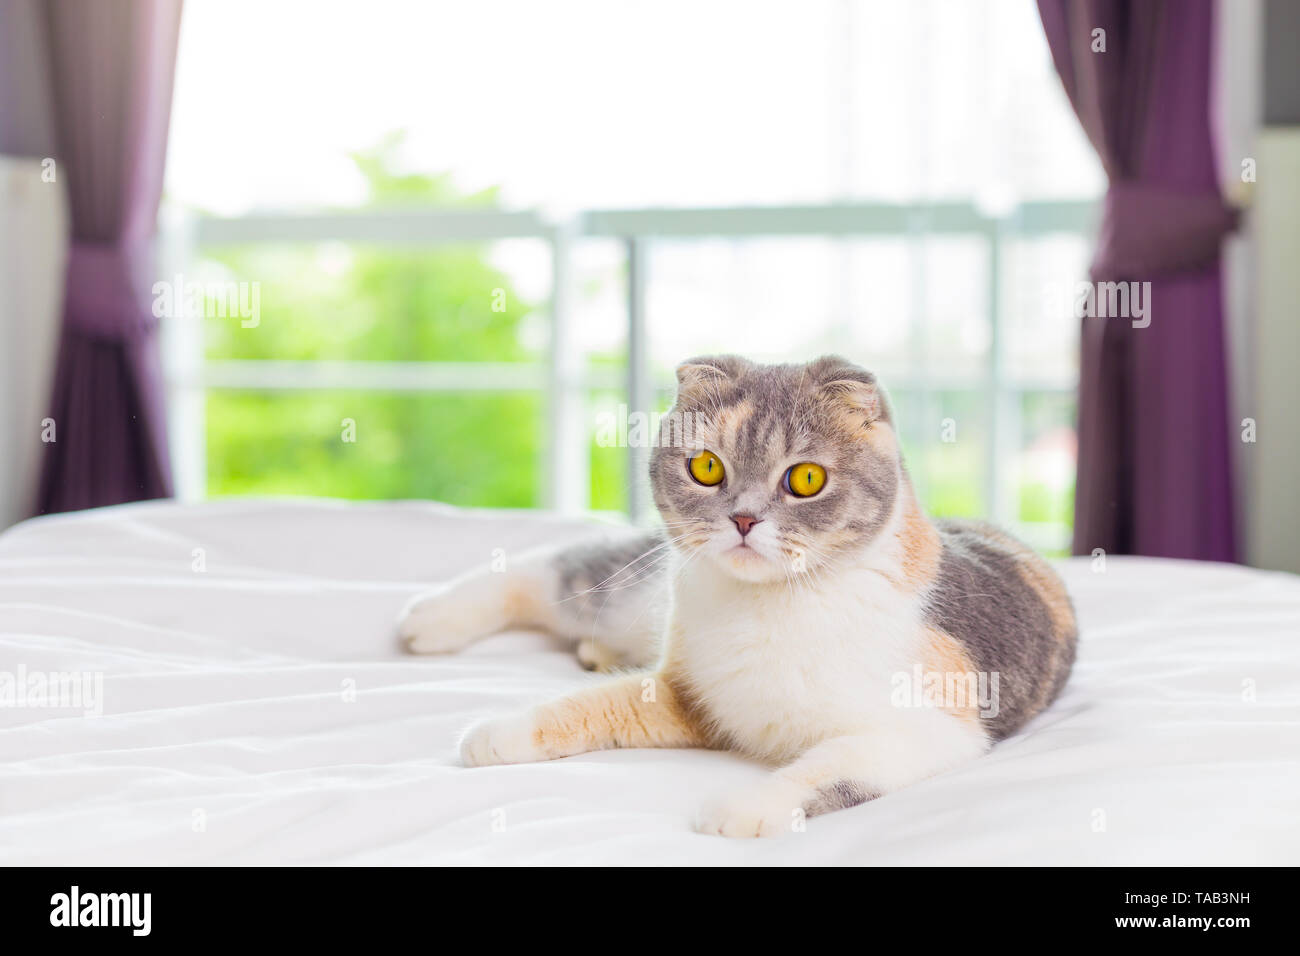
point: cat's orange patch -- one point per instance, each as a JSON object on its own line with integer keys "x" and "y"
{"x": 919, "y": 543}
{"x": 880, "y": 436}
{"x": 857, "y": 425}
{"x": 625, "y": 712}
{"x": 946, "y": 656}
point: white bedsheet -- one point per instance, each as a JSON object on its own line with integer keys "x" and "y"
{"x": 228, "y": 734}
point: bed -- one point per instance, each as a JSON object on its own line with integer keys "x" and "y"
{"x": 256, "y": 709}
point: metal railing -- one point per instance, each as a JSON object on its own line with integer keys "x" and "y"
{"x": 563, "y": 380}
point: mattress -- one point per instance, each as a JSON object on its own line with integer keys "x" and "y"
{"x": 253, "y": 707}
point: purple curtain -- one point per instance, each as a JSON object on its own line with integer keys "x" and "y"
{"x": 1154, "y": 456}
{"x": 111, "y": 65}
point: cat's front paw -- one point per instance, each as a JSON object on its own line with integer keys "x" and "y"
{"x": 501, "y": 740}
{"x": 764, "y": 812}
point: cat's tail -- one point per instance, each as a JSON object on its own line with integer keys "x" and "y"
{"x": 609, "y": 595}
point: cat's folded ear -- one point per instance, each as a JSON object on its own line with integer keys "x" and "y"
{"x": 848, "y": 383}
{"x": 706, "y": 372}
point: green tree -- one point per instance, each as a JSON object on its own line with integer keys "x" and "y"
{"x": 328, "y": 301}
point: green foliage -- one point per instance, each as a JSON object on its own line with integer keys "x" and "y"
{"x": 473, "y": 450}
{"x": 342, "y": 302}
{"x": 388, "y": 187}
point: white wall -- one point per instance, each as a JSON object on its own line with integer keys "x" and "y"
{"x": 33, "y": 250}
{"x": 1238, "y": 115}
{"x": 1272, "y": 494}
{"x": 1262, "y": 287}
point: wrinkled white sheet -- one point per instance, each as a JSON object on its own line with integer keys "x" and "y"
{"x": 228, "y": 734}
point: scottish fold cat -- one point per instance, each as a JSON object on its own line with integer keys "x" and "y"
{"x": 797, "y": 606}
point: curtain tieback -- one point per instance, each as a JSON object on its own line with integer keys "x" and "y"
{"x": 108, "y": 293}
{"x": 1148, "y": 232}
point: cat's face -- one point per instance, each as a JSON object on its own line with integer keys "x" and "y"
{"x": 783, "y": 470}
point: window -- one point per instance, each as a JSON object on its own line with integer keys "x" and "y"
{"x": 488, "y": 224}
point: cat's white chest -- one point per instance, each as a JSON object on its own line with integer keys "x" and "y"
{"x": 780, "y": 669}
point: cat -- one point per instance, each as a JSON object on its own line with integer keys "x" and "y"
{"x": 798, "y": 608}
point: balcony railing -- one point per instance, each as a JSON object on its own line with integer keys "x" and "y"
{"x": 563, "y": 380}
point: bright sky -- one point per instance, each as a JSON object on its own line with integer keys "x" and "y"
{"x": 591, "y": 103}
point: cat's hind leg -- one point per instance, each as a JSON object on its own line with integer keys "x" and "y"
{"x": 609, "y": 595}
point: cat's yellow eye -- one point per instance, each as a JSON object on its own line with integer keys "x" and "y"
{"x": 805, "y": 479}
{"x": 706, "y": 468}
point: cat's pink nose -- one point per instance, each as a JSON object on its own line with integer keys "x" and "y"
{"x": 744, "y": 523}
